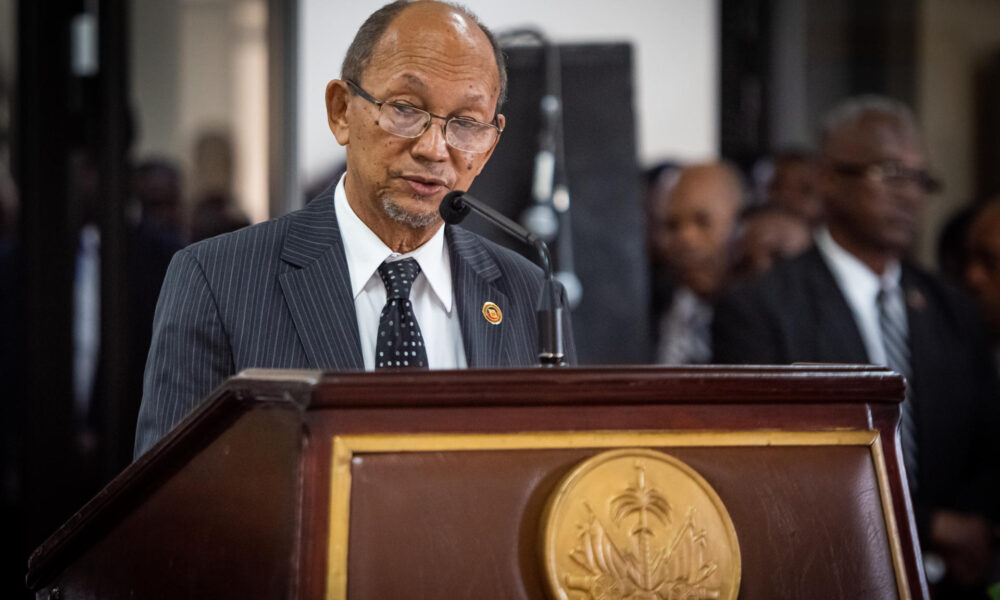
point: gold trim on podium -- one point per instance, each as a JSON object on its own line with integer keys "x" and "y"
{"x": 345, "y": 448}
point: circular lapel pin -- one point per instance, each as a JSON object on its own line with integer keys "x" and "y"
{"x": 492, "y": 314}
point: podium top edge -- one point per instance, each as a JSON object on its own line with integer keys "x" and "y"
{"x": 304, "y": 376}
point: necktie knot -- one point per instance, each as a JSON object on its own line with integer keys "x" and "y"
{"x": 398, "y": 277}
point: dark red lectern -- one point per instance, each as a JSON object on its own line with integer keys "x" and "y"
{"x": 292, "y": 484}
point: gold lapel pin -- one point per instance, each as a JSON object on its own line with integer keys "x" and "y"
{"x": 492, "y": 314}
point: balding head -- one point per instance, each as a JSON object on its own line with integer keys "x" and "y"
{"x": 362, "y": 48}
{"x": 693, "y": 222}
{"x": 865, "y": 119}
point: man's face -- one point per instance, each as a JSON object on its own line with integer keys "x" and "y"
{"x": 436, "y": 60}
{"x": 982, "y": 273}
{"x": 794, "y": 188}
{"x": 875, "y": 216}
{"x": 695, "y": 221}
{"x": 769, "y": 238}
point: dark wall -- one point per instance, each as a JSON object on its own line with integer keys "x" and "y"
{"x": 840, "y": 48}
{"x": 988, "y": 128}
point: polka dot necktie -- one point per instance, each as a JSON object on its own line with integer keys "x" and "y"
{"x": 399, "y": 343}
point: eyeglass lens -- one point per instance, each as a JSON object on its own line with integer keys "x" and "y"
{"x": 463, "y": 134}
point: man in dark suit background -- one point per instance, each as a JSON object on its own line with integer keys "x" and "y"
{"x": 824, "y": 306}
{"x": 417, "y": 107}
{"x": 692, "y": 220}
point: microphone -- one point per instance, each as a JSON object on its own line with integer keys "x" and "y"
{"x": 455, "y": 207}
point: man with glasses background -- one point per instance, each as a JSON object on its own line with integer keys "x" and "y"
{"x": 366, "y": 276}
{"x": 855, "y": 298}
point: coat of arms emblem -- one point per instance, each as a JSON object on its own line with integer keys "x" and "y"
{"x": 639, "y": 525}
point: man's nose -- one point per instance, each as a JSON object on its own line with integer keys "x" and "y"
{"x": 689, "y": 235}
{"x": 431, "y": 143}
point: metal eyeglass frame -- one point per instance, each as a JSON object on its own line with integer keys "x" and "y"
{"x": 429, "y": 117}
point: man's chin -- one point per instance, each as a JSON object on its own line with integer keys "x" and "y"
{"x": 899, "y": 243}
{"x": 419, "y": 217}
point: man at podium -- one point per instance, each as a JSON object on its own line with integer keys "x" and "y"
{"x": 366, "y": 276}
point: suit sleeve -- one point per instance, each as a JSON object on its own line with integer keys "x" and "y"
{"x": 189, "y": 354}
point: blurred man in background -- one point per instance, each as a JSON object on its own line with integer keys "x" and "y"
{"x": 855, "y": 298}
{"x": 982, "y": 268}
{"x": 794, "y": 185}
{"x": 693, "y": 219}
{"x": 767, "y": 235}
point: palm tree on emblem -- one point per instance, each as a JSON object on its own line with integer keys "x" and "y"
{"x": 643, "y": 501}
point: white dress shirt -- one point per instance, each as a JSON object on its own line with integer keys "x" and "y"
{"x": 432, "y": 294}
{"x": 860, "y": 286}
{"x": 685, "y": 330}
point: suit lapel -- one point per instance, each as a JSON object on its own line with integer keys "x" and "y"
{"x": 835, "y": 331}
{"x": 318, "y": 289}
{"x": 475, "y": 274}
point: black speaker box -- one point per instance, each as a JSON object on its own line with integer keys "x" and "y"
{"x": 610, "y": 324}
{"x": 988, "y": 128}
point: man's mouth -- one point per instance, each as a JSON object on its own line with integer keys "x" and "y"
{"x": 426, "y": 186}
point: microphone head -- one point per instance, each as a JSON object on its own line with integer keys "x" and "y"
{"x": 453, "y": 210}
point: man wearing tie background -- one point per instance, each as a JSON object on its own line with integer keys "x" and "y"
{"x": 366, "y": 276}
{"x": 854, "y": 298}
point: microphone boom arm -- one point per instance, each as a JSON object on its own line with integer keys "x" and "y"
{"x": 455, "y": 207}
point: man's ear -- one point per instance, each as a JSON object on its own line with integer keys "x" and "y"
{"x": 501, "y": 122}
{"x": 337, "y": 99}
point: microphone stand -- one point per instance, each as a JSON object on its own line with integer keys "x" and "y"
{"x": 455, "y": 207}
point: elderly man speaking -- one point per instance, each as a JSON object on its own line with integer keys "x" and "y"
{"x": 366, "y": 276}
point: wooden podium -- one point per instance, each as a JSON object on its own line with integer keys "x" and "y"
{"x": 294, "y": 484}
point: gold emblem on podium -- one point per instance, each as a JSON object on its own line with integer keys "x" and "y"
{"x": 638, "y": 524}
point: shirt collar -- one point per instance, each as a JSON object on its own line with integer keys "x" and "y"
{"x": 854, "y": 276}
{"x": 365, "y": 252}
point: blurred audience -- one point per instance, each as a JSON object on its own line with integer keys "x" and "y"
{"x": 766, "y": 235}
{"x": 855, "y": 298}
{"x": 215, "y": 214}
{"x": 157, "y": 190}
{"x": 794, "y": 185}
{"x": 692, "y": 219}
{"x": 982, "y": 267}
{"x": 951, "y": 245}
{"x": 213, "y": 163}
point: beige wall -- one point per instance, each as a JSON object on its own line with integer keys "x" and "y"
{"x": 197, "y": 66}
{"x": 956, "y": 35}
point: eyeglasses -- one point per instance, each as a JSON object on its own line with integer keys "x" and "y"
{"x": 462, "y": 133}
{"x": 891, "y": 172}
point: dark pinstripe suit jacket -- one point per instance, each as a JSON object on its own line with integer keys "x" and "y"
{"x": 278, "y": 295}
